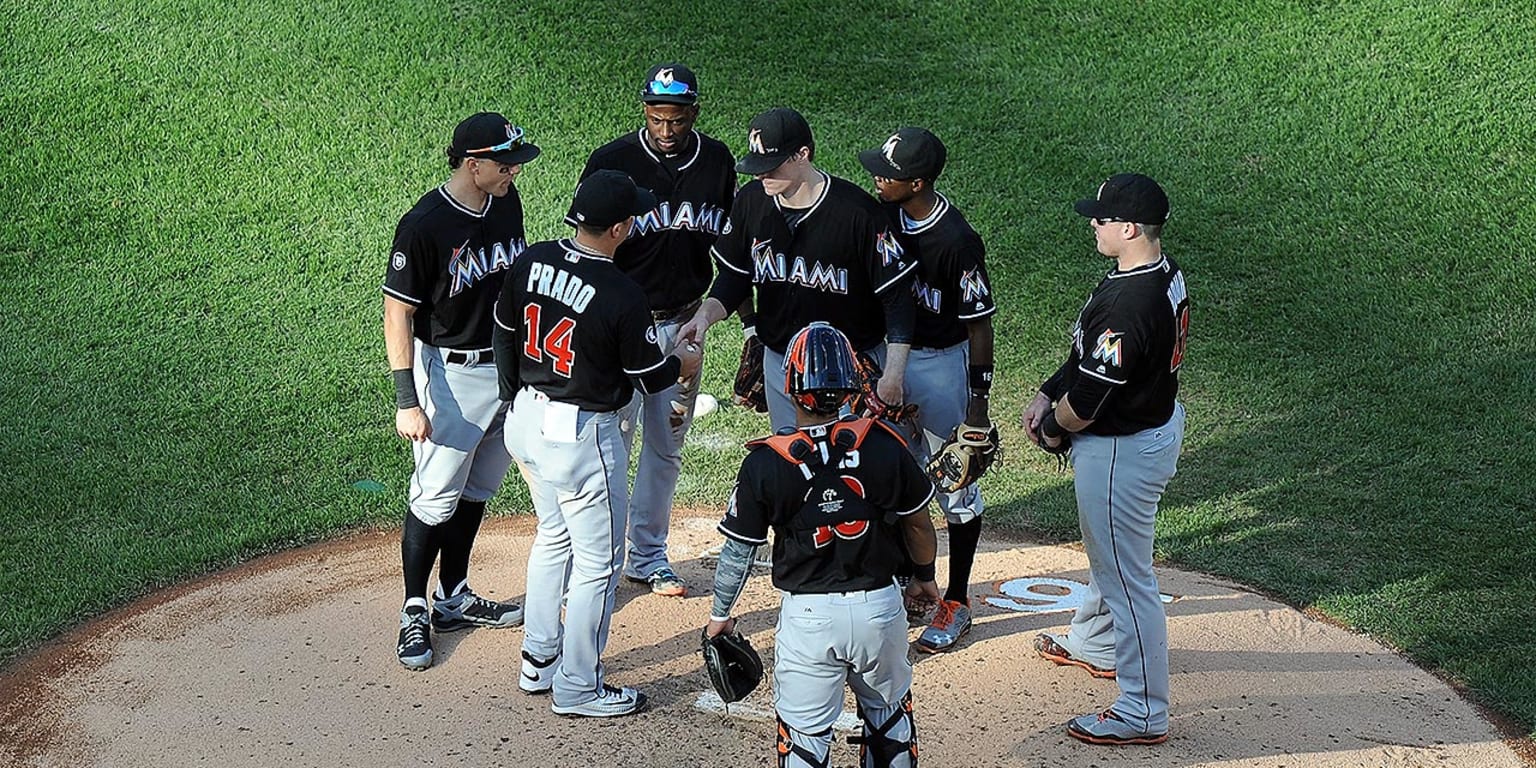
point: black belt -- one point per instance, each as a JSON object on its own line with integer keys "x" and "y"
{"x": 660, "y": 315}
{"x": 464, "y": 358}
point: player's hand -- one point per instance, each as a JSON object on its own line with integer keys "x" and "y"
{"x": 1033, "y": 413}
{"x": 890, "y": 387}
{"x": 693, "y": 331}
{"x": 923, "y": 593}
{"x": 692, "y": 356}
{"x": 412, "y": 424}
{"x": 714, "y": 628}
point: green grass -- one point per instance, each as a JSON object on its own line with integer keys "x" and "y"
{"x": 200, "y": 197}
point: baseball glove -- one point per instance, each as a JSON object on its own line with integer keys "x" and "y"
{"x": 1062, "y": 451}
{"x": 868, "y": 402}
{"x": 965, "y": 457}
{"x": 733, "y": 665}
{"x": 749, "y": 375}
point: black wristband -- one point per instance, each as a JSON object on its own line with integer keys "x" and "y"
{"x": 1049, "y": 427}
{"x": 405, "y": 389}
{"x": 924, "y": 572}
{"x": 748, "y": 319}
{"x": 981, "y": 378}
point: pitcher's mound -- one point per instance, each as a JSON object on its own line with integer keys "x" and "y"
{"x": 289, "y": 661}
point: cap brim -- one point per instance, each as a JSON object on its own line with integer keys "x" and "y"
{"x": 758, "y": 164}
{"x": 874, "y": 161}
{"x": 1093, "y": 209}
{"x": 667, "y": 98}
{"x": 518, "y": 156}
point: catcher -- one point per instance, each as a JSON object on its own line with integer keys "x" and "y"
{"x": 842, "y": 496}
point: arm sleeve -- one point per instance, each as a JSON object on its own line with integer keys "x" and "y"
{"x": 900, "y": 311}
{"x": 731, "y": 577}
{"x": 505, "y": 339}
{"x": 1056, "y": 386}
{"x": 730, "y": 288}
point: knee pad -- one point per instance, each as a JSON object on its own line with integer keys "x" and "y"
{"x": 890, "y": 744}
{"x": 797, "y": 749}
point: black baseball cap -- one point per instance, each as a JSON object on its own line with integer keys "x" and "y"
{"x": 910, "y": 153}
{"x": 670, "y": 84}
{"x": 1127, "y": 197}
{"x": 489, "y": 136}
{"x": 772, "y": 138}
{"x": 608, "y": 197}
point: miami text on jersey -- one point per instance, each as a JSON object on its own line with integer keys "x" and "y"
{"x": 771, "y": 267}
{"x": 467, "y": 265}
{"x": 928, "y": 297}
{"x": 560, "y": 285}
{"x": 706, "y": 218}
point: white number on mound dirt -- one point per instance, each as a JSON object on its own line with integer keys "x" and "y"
{"x": 1043, "y": 594}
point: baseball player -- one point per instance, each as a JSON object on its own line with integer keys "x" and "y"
{"x": 667, "y": 253}
{"x": 812, "y": 247}
{"x": 573, "y": 339}
{"x": 842, "y": 497}
{"x": 952, "y": 341}
{"x": 1115, "y": 399}
{"x": 451, "y": 251}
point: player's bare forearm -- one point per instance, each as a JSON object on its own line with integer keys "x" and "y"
{"x": 1033, "y": 413}
{"x": 397, "y": 333}
{"x": 730, "y": 579}
{"x": 922, "y": 542}
{"x": 1067, "y": 417}
{"x": 893, "y": 378}
{"x": 979, "y": 334}
{"x": 709, "y": 313}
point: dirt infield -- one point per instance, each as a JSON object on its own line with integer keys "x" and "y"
{"x": 289, "y": 661}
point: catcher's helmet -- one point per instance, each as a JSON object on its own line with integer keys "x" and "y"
{"x": 820, "y": 372}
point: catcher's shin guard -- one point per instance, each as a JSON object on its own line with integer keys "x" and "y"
{"x": 797, "y": 749}
{"x": 893, "y": 743}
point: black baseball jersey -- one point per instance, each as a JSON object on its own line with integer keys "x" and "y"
{"x": 952, "y": 287}
{"x": 836, "y": 530}
{"x": 581, "y": 328}
{"x": 1129, "y": 342}
{"x": 449, "y": 262}
{"x": 831, "y": 266}
{"x": 667, "y": 253}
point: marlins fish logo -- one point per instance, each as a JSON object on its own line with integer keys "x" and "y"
{"x": 755, "y": 141}
{"x": 889, "y": 150}
{"x": 665, "y": 77}
{"x": 1107, "y": 348}
{"x": 888, "y": 248}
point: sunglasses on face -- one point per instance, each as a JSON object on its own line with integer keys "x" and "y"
{"x": 1101, "y": 222}
{"x": 515, "y": 141}
{"x": 674, "y": 88}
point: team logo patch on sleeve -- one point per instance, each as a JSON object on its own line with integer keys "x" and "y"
{"x": 650, "y": 335}
{"x": 397, "y": 261}
{"x": 973, "y": 286}
{"x": 888, "y": 248}
{"x": 1107, "y": 348}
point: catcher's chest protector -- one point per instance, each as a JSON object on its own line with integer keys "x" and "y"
{"x": 838, "y": 540}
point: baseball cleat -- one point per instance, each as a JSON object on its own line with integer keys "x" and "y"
{"x": 1109, "y": 728}
{"x": 415, "y": 645}
{"x": 950, "y": 623}
{"x": 612, "y": 702}
{"x": 1048, "y": 648}
{"x": 467, "y": 609}
{"x": 664, "y": 582}
{"x": 537, "y": 676}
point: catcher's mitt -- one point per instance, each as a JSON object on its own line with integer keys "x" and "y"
{"x": 734, "y": 667}
{"x": 965, "y": 457}
{"x": 868, "y": 402}
{"x": 749, "y": 375}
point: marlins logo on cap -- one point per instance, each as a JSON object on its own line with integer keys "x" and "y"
{"x": 755, "y": 142}
{"x": 889, "y": 150}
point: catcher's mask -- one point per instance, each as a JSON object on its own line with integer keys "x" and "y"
{"x": 820, "y": 373}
